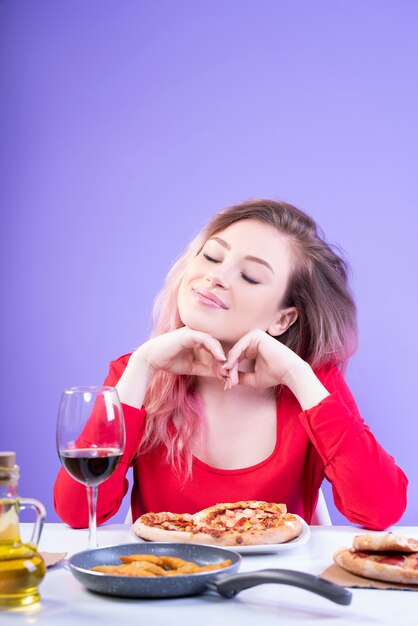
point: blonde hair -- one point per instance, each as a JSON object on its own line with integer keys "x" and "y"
{"x": 325, "y": 331}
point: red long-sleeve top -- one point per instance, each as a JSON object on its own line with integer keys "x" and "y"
{"x": 330, "y": 439}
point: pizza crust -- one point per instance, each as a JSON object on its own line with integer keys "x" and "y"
{"x": 385, "y": 542}
{"x": 155, "y": 533}
{"x": 390, "y": 567}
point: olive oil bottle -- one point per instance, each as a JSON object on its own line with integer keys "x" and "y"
{"x": 21, "y": 567}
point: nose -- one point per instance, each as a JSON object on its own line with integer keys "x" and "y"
{"x": 217, "y": 278}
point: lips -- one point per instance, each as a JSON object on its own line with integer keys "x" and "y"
{"x": 209, "y": 298}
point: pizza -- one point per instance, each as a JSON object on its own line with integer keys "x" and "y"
{"x": 246, "y": 523}
{"x": 387, "y": 557}
{"x": 388, "y": 542}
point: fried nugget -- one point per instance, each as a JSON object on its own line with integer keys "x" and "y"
{"x": 122, "y": 570}
{"x": 106, "y": 569}
{"x": 146, "y": 565}
{"x": 172, "y": 561}
{"x": 151, "y": 565}
{"x": 151, "y": 558}
{"x": 188, "y": 568}
{"x": 135, "y": 568}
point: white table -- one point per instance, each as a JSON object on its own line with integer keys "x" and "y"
{"x": 66, "y": 602}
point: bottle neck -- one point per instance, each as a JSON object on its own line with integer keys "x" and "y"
{"x": 9, "y": 480}
{"x": 9, "y": 504}
{"x": 9, "y": 491}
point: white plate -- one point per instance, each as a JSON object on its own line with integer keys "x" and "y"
{"x": 268, "y": 548}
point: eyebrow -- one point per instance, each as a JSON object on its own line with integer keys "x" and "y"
{"x": 248, "y": 257}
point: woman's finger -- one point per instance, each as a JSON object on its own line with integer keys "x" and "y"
{"x": 233, "y": 375}
{"x": 235, "y": 353}
{"x": 245, "y": 348}
{"x": 208, "y": 343}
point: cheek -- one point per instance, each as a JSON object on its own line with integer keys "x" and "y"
{"x": 192, "y": 271}
{"x": 184, "y": 294}
{"x": 258, "y": 309}
{"x": 181, "y": 292}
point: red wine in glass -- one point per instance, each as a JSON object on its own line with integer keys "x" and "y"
{"x": 91, "y": 466}
{"x": 90, "y": 440}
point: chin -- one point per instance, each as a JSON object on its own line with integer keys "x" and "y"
{"x": 215, "y": 332}
{"x": 204, "y": 325}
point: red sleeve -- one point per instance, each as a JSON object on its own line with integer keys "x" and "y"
{"x": 70, "y": 497}
{"x": 368, "y": 487}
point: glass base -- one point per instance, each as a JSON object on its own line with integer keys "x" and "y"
{"x": 13, "y": 600}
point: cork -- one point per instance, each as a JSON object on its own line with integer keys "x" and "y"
{"x": 9, "y": 471}
{"x": 7, "y": 459}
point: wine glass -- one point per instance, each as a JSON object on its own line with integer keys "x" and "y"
{"x": 90, "y": 440}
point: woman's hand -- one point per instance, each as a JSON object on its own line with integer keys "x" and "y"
{"x": 273, "y": 364}
{"x": 175, "y": 352}
{"x": 272, "y": 361}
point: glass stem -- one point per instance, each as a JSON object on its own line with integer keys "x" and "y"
{"x": 92, "y": 501}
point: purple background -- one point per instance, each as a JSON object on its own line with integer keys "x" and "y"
{"x": 125, "y": 125}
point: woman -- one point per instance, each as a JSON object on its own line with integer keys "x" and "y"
{"x": 238, "y": 394}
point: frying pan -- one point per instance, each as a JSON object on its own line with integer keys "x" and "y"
{"x": 225, "y": 581}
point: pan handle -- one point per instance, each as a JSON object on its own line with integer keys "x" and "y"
{"x": 231, "y": 585}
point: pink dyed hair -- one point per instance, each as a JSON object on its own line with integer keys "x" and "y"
{"x": 325, "y": 331}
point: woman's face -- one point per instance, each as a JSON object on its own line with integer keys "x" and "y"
{"x": 237, "y": 283}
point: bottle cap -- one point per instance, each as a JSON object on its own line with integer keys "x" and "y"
{"x": 7, "y": 459}
{"x": 9, "y": 471}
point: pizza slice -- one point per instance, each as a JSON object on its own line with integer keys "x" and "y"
{"x": 246, "y": 523}
{"x": 388, "y": 566}
{"x": 165, "y": 526}
{"x": 382, "y": 556}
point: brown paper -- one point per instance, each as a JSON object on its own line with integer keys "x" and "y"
{"x": 52, "y": 558}
{"x": 339, "y": 576}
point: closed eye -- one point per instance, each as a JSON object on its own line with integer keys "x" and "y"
{"x": 250, "y": 280}
{"x": 244, "y": 276}
{"x": 209, "y": 258}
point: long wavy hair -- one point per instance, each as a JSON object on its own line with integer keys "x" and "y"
{"x": 325, "y": 331}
